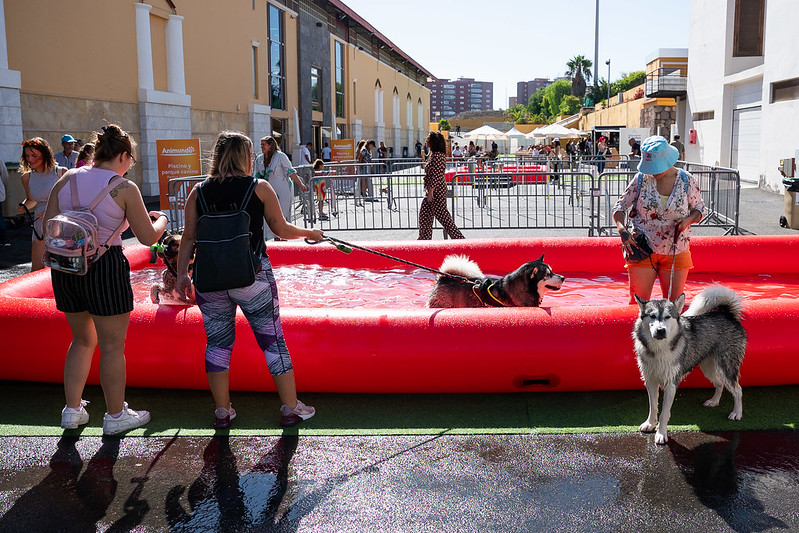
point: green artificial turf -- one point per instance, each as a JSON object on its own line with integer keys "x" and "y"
{"x": 33, "y": 409}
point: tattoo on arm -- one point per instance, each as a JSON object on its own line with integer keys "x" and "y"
{"x": 115, "y": 191}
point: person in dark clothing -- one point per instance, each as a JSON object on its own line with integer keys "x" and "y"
{"x": 229, "y": 177}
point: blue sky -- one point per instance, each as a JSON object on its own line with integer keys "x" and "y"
{"x": 506, "y": 41}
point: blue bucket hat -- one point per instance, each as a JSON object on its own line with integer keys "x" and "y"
{"x": 657, "y": 155}
{"x": 68, "y": 139}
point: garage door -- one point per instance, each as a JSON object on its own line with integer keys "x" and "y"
{"x": 746, "y": 143}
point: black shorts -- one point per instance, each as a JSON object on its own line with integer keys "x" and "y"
{"x": 104, "y": 291}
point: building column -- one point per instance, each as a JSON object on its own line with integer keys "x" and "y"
{"x": 260, "y": 122}
{"x": 357, "y": 130}
{"x": 176, "y": 79}
{"x": 144, "y": 46}
{"x": 162, "y": 114}
{"x": 10, "y": 107}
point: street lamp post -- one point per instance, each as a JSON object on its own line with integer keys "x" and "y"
{"x": 596, "y": 43}
{"x": 608, "y": 64}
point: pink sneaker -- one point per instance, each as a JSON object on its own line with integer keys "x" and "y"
{"x": 223, "y": 417}
{"x": 292, "y": 417}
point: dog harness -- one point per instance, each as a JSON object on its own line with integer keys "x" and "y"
{"x": 484, "y": 288}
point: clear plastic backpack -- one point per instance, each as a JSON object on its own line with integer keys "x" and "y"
{"x": 71, "y": 242}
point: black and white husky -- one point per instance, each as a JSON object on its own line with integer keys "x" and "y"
{"x": 524, "y": 287}
{"x": 669, "y": 345}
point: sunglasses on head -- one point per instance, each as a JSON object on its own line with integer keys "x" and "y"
{"x": 26, "y": 144}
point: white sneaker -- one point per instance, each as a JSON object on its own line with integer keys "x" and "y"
{"x": 292, "y": 417}
{"x": 71, "y": 418}
{"x": 129, "y": 419}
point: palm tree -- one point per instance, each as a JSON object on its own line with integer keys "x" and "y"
{"x": 580, "y": 73}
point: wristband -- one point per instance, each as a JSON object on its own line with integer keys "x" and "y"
{"x": 160, "y": 214}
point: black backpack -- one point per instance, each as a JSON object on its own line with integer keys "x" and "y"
{"x": 224, "y": 259}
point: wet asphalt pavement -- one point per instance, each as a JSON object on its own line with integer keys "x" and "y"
{"x": 741, "y": 482}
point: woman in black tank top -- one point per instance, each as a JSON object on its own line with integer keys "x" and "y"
{"x": 230, "y": 169}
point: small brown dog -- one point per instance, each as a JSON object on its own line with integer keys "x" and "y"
{"x": 165, "y": 293}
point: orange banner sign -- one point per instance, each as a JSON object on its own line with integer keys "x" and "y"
{"x": 177, "y": 158}
{"x": 342, "y": 150}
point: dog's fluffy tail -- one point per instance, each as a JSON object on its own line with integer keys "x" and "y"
{"x": 716, "y": 297}
{"x": 461, "y": 265}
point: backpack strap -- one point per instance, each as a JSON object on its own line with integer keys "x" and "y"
{"x": 200, "y": 196}
{"x": 73, "y": 189}
{"x": 244, "y": 202}
{"x": 247, "y": 195}
{"x": 108, "y": 188}
{"x": 634, "y": 209}
{"x": 686, "y": 184}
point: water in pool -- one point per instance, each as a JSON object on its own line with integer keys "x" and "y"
{"x": 321, "y": 287}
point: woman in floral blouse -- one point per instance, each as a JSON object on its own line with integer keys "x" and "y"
{"x": 667, "y": 200}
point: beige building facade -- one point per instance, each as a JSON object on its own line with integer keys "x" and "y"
{"x": 173, "y": 69}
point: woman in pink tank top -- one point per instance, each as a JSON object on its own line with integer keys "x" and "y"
{"x": 102, "y": 317}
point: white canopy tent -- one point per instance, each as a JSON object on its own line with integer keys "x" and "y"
{"x": 486, "y": 133}
{"x": 516, "y": 138}
{"x": 555, "y": 131}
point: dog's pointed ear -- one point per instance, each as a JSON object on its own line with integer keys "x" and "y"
{"x": 540, "y": 258}
{"x": 533, "y": 273}
{"x": 641, "y": 302}
{"x": 679, "y": 303}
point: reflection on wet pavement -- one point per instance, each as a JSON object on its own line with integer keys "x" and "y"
{"x": 745, "y": 481}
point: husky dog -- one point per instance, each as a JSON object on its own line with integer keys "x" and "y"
{"x": 524, "y": 287}
{"x": 669, "y": 345}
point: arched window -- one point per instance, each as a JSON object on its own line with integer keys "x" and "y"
{"x": 378, "y": 102}
{"x": 395, "y": 108}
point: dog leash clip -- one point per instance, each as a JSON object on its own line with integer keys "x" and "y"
{"x": 154, "y": 249}
{"x": 340, "y": 246}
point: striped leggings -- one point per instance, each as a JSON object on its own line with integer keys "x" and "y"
{"x": 438, "y": 209}
{"x": 259, "y": 303}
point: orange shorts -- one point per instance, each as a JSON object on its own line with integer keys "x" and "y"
{"x": 682, "y": 261}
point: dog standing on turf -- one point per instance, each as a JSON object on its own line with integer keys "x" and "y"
{"x": 669, "y": 345}
{"x": 524, "y": 287}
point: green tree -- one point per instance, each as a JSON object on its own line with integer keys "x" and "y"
{"x": 628, "y": 81}
{"x": 580, "y": 72}
{"x": 535, "y": 104}
{"x": 570, "y": 105}
{"x": 444, "y": 125}
{"x": 599, "y": 92}
{"x": 553, "y": 95}
{"x": 538, "y": 119}
{"x": 517, "y": 114}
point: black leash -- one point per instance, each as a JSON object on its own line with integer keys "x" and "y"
{"x": 31, "y": 220}
{"x": 673, "y": 255}
{"x": 347, "y": 247}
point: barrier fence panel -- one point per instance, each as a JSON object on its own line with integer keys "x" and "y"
{"x": 178, "y": 190}
{"x": 720, "y": 188}
{"x": 489, "y": 196}
{"x": 522, "y": 200}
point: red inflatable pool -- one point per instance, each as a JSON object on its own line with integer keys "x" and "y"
{"x": 413, "y": 349}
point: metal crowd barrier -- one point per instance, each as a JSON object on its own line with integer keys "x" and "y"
{"x": 720, "y": 188}
{"x": 487, "y": 197}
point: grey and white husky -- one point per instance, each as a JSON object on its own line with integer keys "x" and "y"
{"x": 669, "y": 345}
